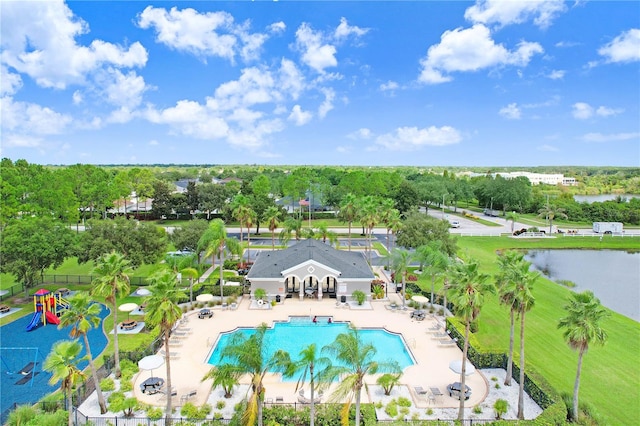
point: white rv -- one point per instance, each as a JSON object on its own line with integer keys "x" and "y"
{"x": 607, "y": 227}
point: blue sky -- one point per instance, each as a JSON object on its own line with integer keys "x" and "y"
{"x": 483, "y": 83}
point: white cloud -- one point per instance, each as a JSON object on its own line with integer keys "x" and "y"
{"x": 343, "y": 149}
{"x": 122, "y": 90}
{"x": 623, "y": 48}
{"x": 584, "y": 111}
{"x": 389, "y": 86}
{"x": 49, "y": 53}
{"x": 412, "y": 138}
{"x": 612, "y": 137}
{"x": 471, "y": 49}
{"x": 10, "y": 83}
{"x": 511, "y": 111}
{"x": 77, "y": 97}
{"x": 277, "y": 27}
{"x": 24, "y": 121}
{"x": 299, "y": 117}
{"x": 154, "y": 142}
{"x": 361, "y": 134}
{"x": 547, "y": 148}
{"x": 345, "y": 30}
{"x": 507, "y": 12}
{"x": 290, "y": 79}
{"x": 556, "y": 74}
{"x": 315, "y": 53}
{"x": 327, "y": 104}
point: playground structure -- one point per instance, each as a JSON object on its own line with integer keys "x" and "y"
{"x": 47, "y": 307}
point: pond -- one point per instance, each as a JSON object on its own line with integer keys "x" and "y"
{"x": 612, "y": 275}
{"x": 602, "y": 197}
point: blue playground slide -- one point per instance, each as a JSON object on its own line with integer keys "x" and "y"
{"x": 35, "y": 321}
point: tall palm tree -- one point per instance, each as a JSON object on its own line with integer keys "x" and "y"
{"x": 369, "y": 217}
{"x": 387, "y": 215}
{"x": 439, "y": 262}
{"x": 400, "y": 260}
{"x": 163, "y": 311}
{"x": 581, "y": 328}
{"x": 239, "y": 210}
{"x": 356, "y": 360}
{"x": 113, "y": 271}
{"x": 308, "y": 363}
{"x": 215, "y": 241}
{"x": 349, "y": 211}
{"x": 393, "y": 224}
{"x": 291, "y": 226}
{"x": 62, "y": 362}
{"x": 512, "y": 216}
{"x": 467, "y": 294}
{"x": 506, "y": 263}
{"x": 249, "y": 219}
{"x": 82, "y": 316}
{"x": 323, "y": 231}
{"x": 550, "y": 211}
{"x": 247, "y": 355}
{"x": 521, "y": 286}
{"x": 272, "y": 217}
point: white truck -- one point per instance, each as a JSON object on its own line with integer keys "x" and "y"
{"x": 607, "y": 227}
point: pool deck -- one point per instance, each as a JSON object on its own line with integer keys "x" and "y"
{"x": 190, "y": 351}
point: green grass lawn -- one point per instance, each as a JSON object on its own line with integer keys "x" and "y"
{"x": 610, "y": 374}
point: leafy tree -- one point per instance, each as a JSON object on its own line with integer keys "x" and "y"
{"x": 62, "y": 362}
{"x": 162, "y": 200}
{"x": 83, "y": 315}
{"x": 192, "y": 196}
{"x": 113, "y": 271}
{"x": 225, "y": 376}
{"x": 406, "y": 197}
{"x": 467, "y": 293}
{"x": 581, "y": 328}
{"x": 142, "y": 183}
{"x": 419, "y": 229}
{"x": 31, "y": 245}
{"x": 247, "y": 354}
{"x": 356, "y": 361}
{"x": 187, "y": 236}
{"x": 212, "y": 197}
{"x": 163, "y": 310}
{"x": 512, "y": 216}
{"x": 215, "y": 242}
{"x": 290, "y": 226}
{"x": 139, "y": 242}
{"x": 388, "y": 381}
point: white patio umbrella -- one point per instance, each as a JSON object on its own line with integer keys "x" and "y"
{"x": 420, "y": 299}
{"x": 456, "y": 367}
{"x": 128, "y": 308}
{"x": 204, "y": 297}
{"x": 143, "y": 292}
{"x": 150, "y": 363}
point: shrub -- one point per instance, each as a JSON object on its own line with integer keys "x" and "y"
{"x": 107, "y": 384}
{"x": 21, "y": 415}
{"x": 359, "y": 296}
{"x": 260, "y": 293}
{"x": 404, "y": 402}
{"x": 392, "y": 408}
{"x": 477, "y": 409}
{"x": 154, "y": 413}
{"x": 388, "y": 381}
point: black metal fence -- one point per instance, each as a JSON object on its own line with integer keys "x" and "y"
{"x": 11, "y": 291}
{"x": 82, "y": 420}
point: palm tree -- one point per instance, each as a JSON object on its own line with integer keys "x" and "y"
{"x": 308, "y": 362}
{"x": 582, "y": 327}
{"x": 356, "y": 360}
{"x": 215, "y": 241}
{"x": 521, "y": 287}
{"x": 550, "y": 211}
{"x": 507, "y": 297}
{"x": 163, "y": 311}
{"x": 247, "y": 355}
{"x": 240, "y": 209}
{"x": 62, "y": 363}
{"x": 82, "y": 316}
{"x": 512, "y": 216}
{"x": 272, "y": 217}
{"x": 249, "y": 219}
{"x": 467, "y": 294}
{"x": 400, "y": 260}
{"x": 439, "y": 262}
{"x": 388, "y": 215}
{"x": 225, "y": 376}
{"x": 291, "y": 226}
{"x": 369, "y": 217}
{"x": 349, "y": 211}
{"x": 113, "y": 281}
{"x": 322, "y": 231}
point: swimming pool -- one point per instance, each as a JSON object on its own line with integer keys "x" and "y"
{"x": 12, "y": 361}
{"x": 299, "y": 332}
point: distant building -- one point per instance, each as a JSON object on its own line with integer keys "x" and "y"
{"x": 534, "y": 178}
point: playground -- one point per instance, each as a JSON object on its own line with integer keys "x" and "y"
{"x": 22, "y": 352}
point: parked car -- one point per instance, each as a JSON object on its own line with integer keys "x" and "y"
{"x": 455, "y": 224}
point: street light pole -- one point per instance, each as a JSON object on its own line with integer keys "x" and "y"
{"x": 443, "y": 205}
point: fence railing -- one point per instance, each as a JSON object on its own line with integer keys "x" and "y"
{"x": 11, "y": 291}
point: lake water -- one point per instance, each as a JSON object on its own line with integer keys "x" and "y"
{"x": 612, "y": 275}
{"x": 602, "y": 197}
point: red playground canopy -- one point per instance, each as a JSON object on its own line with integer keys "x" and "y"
{"x": 42, "y": 292}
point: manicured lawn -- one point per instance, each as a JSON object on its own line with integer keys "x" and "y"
{"x": 610, "y": 374}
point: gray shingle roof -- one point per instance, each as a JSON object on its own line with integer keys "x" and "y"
{"x": 270, "y": 264}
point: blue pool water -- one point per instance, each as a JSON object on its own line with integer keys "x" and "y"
{"x": 13, "y": 335}
{"x": 300, "y": 332}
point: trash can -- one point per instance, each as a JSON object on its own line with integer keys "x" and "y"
{"x": 343, "y": 299}
{"x": 277, "y": 298}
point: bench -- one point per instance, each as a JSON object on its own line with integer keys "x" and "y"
{"x": 187, "y": 396}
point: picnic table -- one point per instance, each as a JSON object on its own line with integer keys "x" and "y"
{"x": 152, "y": 385}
